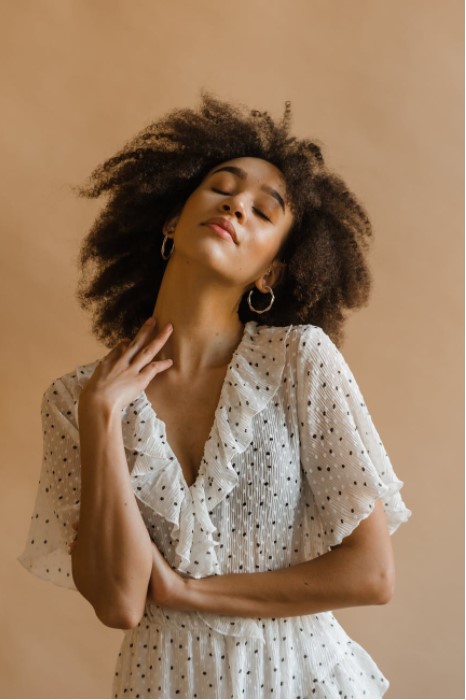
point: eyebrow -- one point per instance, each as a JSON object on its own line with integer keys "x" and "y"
{"x": 243, "y": 175}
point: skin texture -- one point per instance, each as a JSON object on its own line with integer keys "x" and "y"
{"x": 115, "y": 564}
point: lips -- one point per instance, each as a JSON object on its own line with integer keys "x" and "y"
{"x": 225, "y": 224}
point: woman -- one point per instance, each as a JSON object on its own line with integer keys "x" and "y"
{"x": 227, "y": 484}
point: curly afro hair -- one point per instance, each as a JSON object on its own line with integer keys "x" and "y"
{"x": 153, "y": 175}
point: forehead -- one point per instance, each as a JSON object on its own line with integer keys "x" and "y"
{"x": 257, "y": 169}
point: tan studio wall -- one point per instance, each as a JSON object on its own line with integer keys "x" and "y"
{"x": 380, "y": 84}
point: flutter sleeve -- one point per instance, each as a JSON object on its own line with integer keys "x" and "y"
{"x": 342, "y": 455}
{"x": 57, "y": 498}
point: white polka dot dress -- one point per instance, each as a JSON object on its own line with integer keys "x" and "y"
{"x": 292, "y": 464}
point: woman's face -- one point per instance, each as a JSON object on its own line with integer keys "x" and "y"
{"x": 250, "y": 194}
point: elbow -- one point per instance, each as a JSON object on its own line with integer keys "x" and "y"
{"x": 119, "y": 611}
{"x": 109, "y": 611}
{"x": 118, "y": 619}
{"x": 382, "y": 587}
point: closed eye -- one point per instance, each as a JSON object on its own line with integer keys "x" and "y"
{"x": 261, "y": 213}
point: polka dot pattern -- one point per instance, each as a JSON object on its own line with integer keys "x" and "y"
{"x": 292, "y": 464}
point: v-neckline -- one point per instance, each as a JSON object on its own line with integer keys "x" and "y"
{"x": 162, "y": 424}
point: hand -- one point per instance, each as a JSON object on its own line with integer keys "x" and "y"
{"x": 128, "y": 368}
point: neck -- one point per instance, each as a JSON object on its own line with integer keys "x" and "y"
{"x": 204, "y": 312}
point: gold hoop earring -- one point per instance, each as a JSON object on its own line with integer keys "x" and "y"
{"x": 267, "y": 308}
{"x": 165, "y": 239}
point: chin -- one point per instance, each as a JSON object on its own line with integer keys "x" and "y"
{"x": 211, "y": 259}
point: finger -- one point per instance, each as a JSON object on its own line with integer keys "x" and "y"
{"x": 155, "y": 367}
{"x": 122, "y": 345}
{"x": 141, "y": 336}
{"x": 149, "y": 324}
{"x": 117, "y": 350}
{"x": 147, "y": 353}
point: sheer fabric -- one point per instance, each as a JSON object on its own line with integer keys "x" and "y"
{"x": 292, "y": 464}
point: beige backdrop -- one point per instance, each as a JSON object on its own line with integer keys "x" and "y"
{"x": 380, "y": 82}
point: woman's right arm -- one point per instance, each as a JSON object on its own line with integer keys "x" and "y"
{"x": 112, "y": 555}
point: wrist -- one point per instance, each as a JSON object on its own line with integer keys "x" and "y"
{"x": 168, "y": 588}
{"x": 91, "y": 404}
{"x": 176, "y": 595}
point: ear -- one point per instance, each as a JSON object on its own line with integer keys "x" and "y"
{"x": 170, "y": 226}
{"x": 171, "y": 221}
{"x": 273, "y": 275}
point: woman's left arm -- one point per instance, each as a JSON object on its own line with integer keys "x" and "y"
{"x": 359, "y": 571}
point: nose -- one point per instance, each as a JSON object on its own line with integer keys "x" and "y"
{"x": 235, "y": 206}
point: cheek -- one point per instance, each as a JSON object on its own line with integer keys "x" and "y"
{"x": 190, "y": 204}
{"x": 198, "y": 204}
{"x": 192, "y": 213}
{"x": 265, "y": 244}
{"x": 257, "y": 252}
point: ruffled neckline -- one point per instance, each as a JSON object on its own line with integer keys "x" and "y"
{"x": 251, "y": 380}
